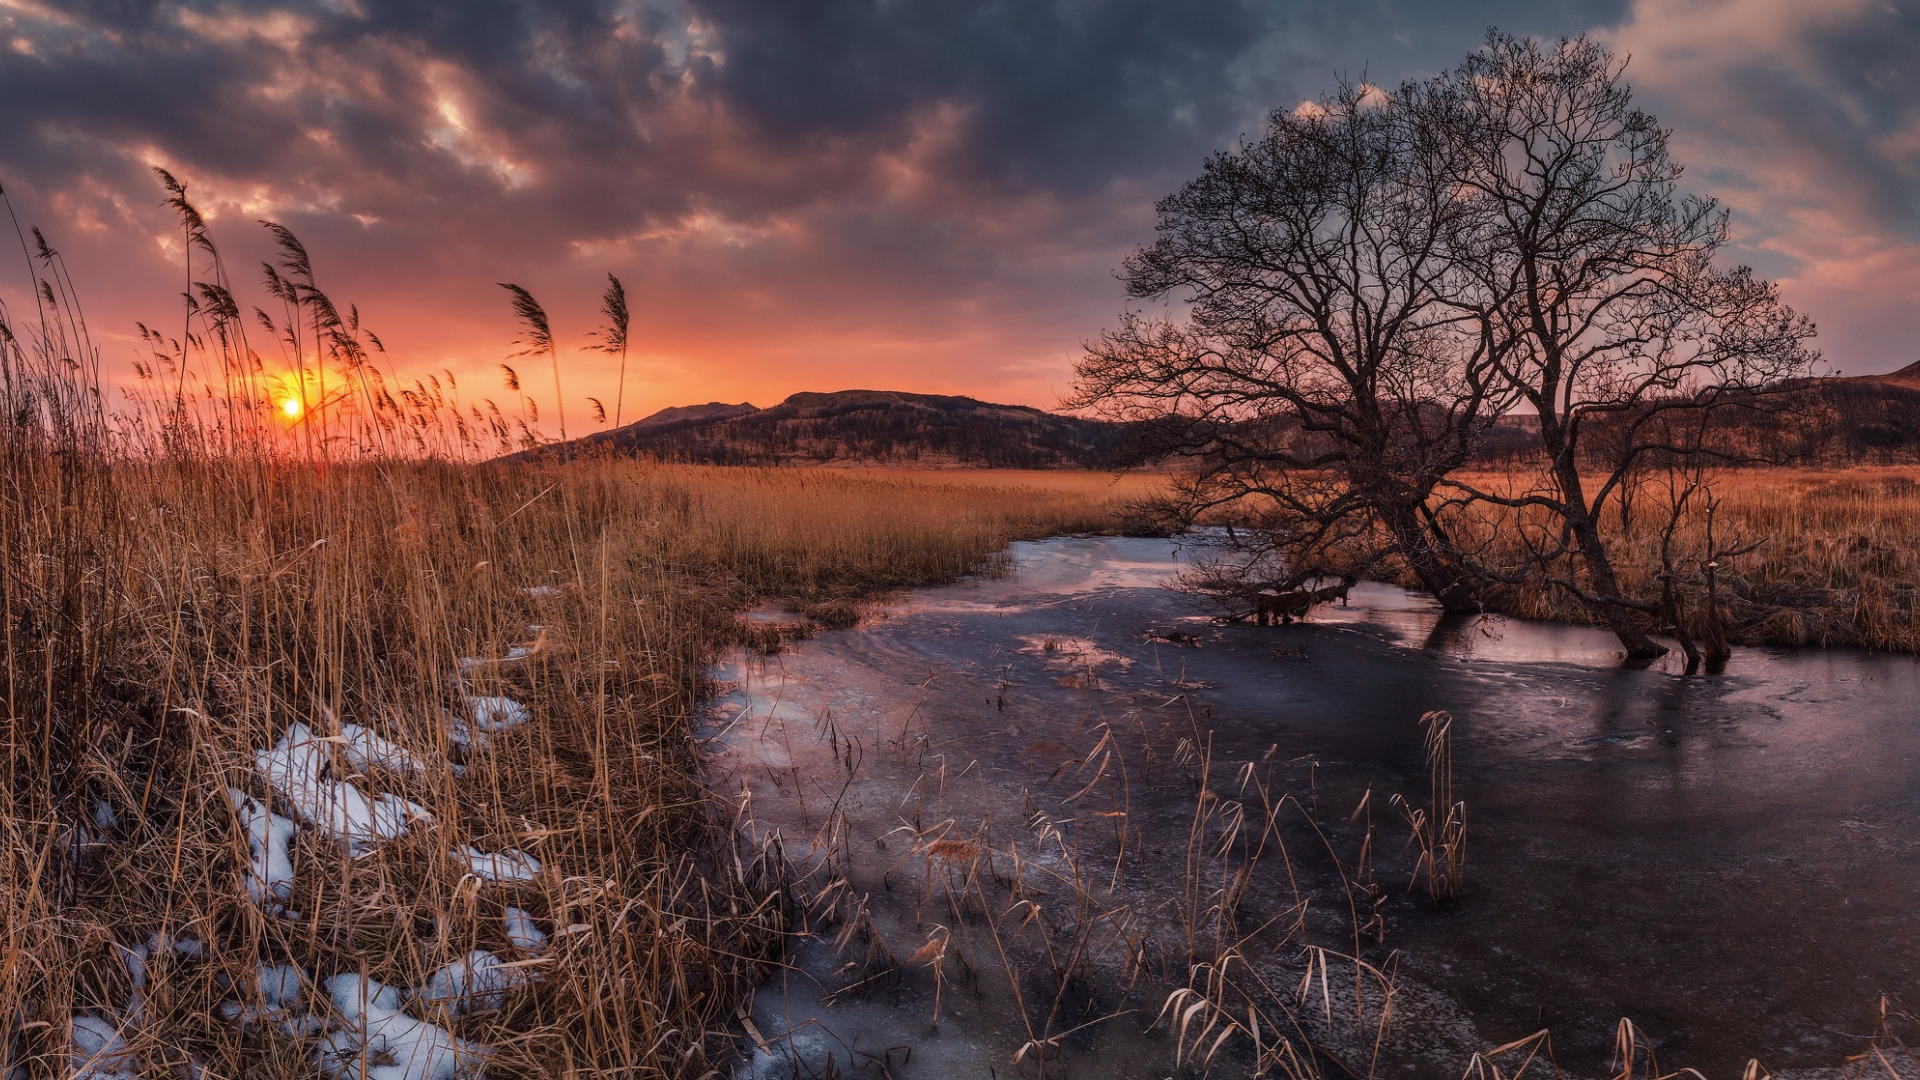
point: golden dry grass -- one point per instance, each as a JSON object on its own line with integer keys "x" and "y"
{"x": 1838, "y": 561}
{"x": 167, "y": 618}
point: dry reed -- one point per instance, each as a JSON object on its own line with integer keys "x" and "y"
{"x": 169, "y": 615}
{"x": 231, "y": 553}
{"x": 1835, "y": 557}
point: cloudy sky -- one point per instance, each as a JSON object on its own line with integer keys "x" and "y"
{"x": 822, "y": 194}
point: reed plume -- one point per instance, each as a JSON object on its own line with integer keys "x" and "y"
{"x": 536, "y": 335}
{"x": 613, "y": 339}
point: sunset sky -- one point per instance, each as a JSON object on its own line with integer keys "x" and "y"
{"x": 825, "y": 194}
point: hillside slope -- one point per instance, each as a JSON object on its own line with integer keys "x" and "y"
{"x": 871, "y": 427}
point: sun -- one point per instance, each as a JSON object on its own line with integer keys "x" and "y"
{"x": 292, "y": 408}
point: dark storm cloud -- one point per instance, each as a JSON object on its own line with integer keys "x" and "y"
{"x": 930, "y": 195}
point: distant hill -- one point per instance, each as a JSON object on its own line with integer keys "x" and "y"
{"x": 1873, "y": 419}
{"x": 1862, "y": 419}
{"x": 1830, "y": 421}
{"x": 870, "y": 427}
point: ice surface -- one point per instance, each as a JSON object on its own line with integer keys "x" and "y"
{"x": 270, "y": 878}
{"x": 509, "y": 865}
{"x": 1076, "y": 652}
{"x": 379, "y": 1042}
{"x": 294, "y": 766}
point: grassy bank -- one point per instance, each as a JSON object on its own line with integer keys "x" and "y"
{"x": 168, "y": 619}
{"x": 1834, "y": 559}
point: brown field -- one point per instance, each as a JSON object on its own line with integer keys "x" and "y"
{"x": 1134, "y": 483}
{"x": 1837, "y": 560}
{"x": 166, "y": 620}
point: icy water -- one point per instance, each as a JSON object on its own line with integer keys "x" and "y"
{"x": 1027, "y": 797}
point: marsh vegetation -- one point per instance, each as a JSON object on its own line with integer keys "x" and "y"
{"x": 169, "y": 619}
{"x": 321, "y": 753}
{"x": 331, "y": 747}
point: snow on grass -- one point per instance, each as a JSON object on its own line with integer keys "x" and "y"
{"x": 79, "y": 842}
{"x": 509, "y": 865}
{"x": 138, "y": 957}
{"x": 97, "y": 1051}
{"x": 278, "y": 1002}
{"x": 365, "y": 748}
{"x": 522, "y": 932}
{"x": 497, "y": 713}
{"x": 346, "y": 815}
{"x": 517, "y": 652}
{"x": 380, "y": 1042}
{"x": 270, "y": 876}
{"x": 475, "y": 981}
{"x": 488, "y": 715}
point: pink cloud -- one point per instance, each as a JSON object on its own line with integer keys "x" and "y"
{"x": 1803, "y": 119}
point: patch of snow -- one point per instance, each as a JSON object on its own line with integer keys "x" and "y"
{"x": 104, "y": 818}
{"x": 380, "y": 1042}
{"x": 278, "y": 1002}
{"x": 461, "y": 734}
{"x": 270, "y": 877}
{"x": 364, "y": 748}
{"x": 294, "y": 766}
{"x": 793, "y": 1056}
{"x": 78, "y": 842}
{"x": 517, "y": 652}
{"x": 136, "y": 957}
{"x": 489, "y": 714}
{"x": 97, "y": 1051}
{"x": 475, "y": 981}
{"x": 497, "y": 713}
{"x": 541, "y": 592}
{"x": 509, "y": 865}
{"x": 523, "y": 933}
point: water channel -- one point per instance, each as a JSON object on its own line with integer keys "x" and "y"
{"x": 1025, "y": 809}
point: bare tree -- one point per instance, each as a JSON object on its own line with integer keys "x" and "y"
{"x": 1324, "y": 375}
{"x": 1597, "y": 280}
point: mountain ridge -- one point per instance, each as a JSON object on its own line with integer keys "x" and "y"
{"x": 868, "y": 427}
{"x": 1838, "y": 420}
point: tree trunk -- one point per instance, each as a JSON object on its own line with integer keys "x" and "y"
{"x": 1670, "y": 612}
{"x": 1605, "y": 586}
{"x": 1439, "y": 575}
{"x": 1718, "y": 650}
{"x": 1602, "y": 582}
